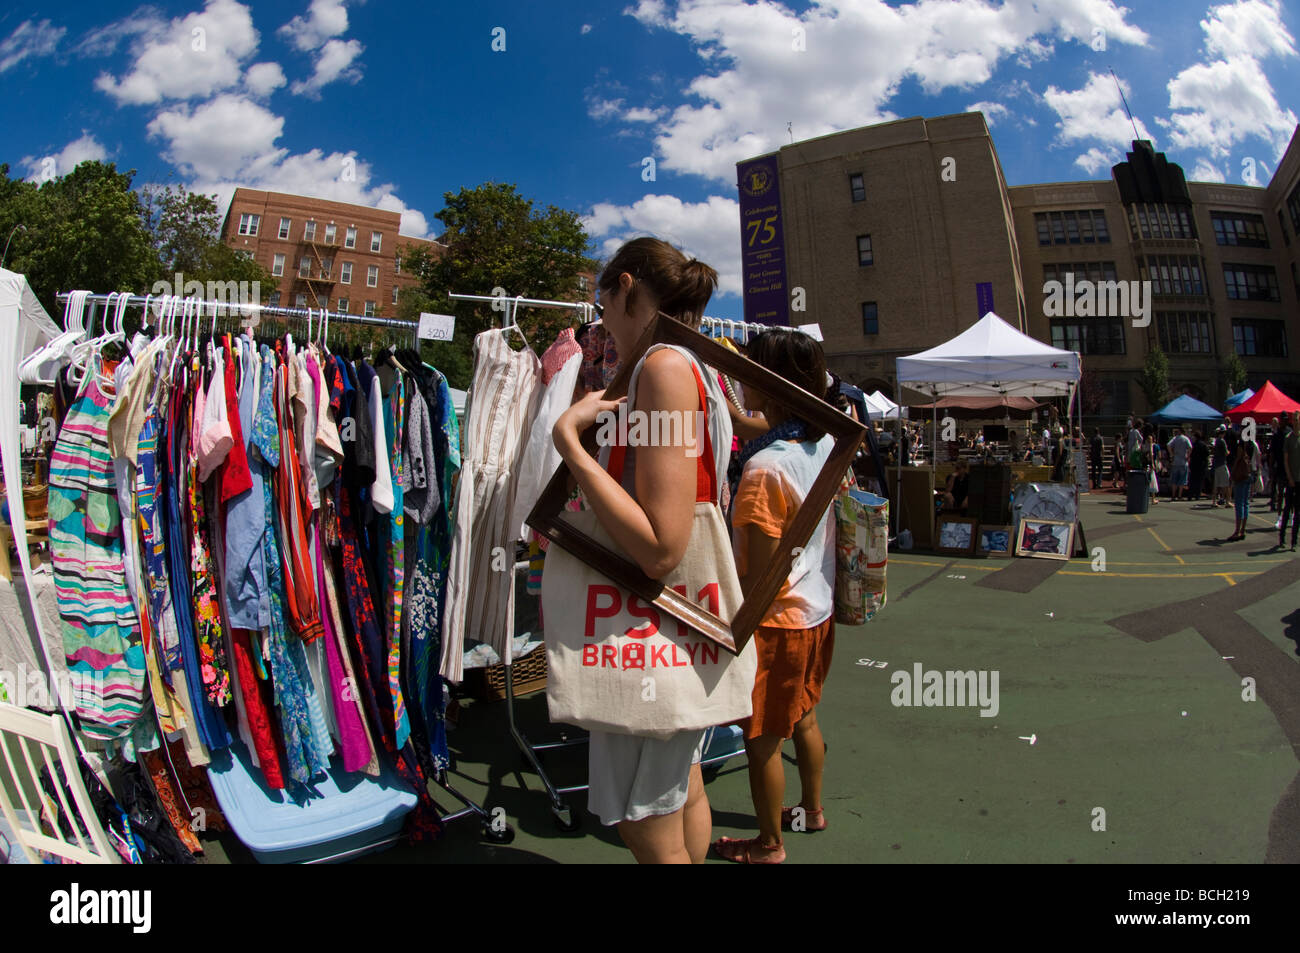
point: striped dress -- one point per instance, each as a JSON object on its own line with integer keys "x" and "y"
{"x": 101, "y": 632}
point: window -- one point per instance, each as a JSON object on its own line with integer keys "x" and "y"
{"x": 1239, "y": 228}
{"x": 277, "y": 265}
{"x": 1086, "y": 227}
{"x": 350, "y": 238}
{"x": 397, "y": 270}
{"x": 343, "y": 305}
{"x": 1255, "y": 338}
{"x": 1082, "y": 270}
{"x": 1089, "y": 335}
{"x": 870, "y": 318}
{"x": 1183, "y": 332}
{"x": 248, "y": 223}
{"x": 1172, "y": 274}
{"x": 285, "y": 225}
{"x": 304, "y": 266}
{"x": 376, "y": 242}
{"x": 864, "y": 250}
{"x": 857, "y": 187}
{"x": 1160, "y": 222}
{"x": 326, "y": 266}
{"x": 1251, "y": 282}
{"x": 309, "y": 232}
{"x": 300, "y": 301}
{"x": 1281, "y": 227}
{"x": 372, "y": 276}
{"x": 1293, "y": 206}
{"x": 345, "y": 272}
{"x": 394, "y": 294}
{"x": 274, "y": 300}
{"x": 370, "y": 309}
{"x": 331, "y": 233}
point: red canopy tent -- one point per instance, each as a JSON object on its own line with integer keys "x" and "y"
{"x": 1267, "y": 402}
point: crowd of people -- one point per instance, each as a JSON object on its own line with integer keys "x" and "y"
{"x": 1224, "y": 466}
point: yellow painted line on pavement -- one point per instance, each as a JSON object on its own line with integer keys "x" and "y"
{"x": 1166, "y": 546}
{"x": 1228, "y": 576}
{"x": 1158, "y": 575}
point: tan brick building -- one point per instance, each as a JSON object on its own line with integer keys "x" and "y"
{"x": 324, "y": 254}
{"x": 902, "y": 234}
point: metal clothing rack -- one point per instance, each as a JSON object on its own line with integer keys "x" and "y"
{"x": 324, "y": 318}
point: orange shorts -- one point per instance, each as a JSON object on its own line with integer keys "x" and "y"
{"x": 792, "y": 667}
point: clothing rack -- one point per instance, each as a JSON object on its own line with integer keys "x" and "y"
{"x": 587, "y": 308}
{"x": 324, "y": 318}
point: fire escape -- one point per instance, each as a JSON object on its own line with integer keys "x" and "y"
{"x": 317, "y": 277}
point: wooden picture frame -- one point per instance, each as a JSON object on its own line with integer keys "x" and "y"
{"x": 547, "y": 516}
{"x": 950, "y": 525}
{"x": 1061, "y": 532}
{"x": 1008, "y": 538}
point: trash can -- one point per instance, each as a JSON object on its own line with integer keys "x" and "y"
{"x": 1139, "y": 491}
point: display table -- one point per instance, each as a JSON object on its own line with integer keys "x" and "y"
{"x": 915, "y": 504}
{"x": 37, "y": 532}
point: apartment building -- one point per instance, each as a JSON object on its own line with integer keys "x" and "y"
{"x": 325, "y": 254}
{"x": 900, "y": 235}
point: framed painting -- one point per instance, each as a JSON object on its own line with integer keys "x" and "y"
{"x": 995, "y": 540}
{"x": 955, "y": 535}
{"x": 547, "y": 516}
{"x": 1045, "y": 539}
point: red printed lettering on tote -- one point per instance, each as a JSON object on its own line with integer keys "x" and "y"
{"x": 649, "y": 613}
{"x": 596, "y": 611}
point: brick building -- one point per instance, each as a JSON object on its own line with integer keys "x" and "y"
{"x": 903, "y": 234}
{"x": 346, "y": 258}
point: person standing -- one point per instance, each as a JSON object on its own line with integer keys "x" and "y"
{"x": 1290, "y": 477}
{"x": 1180, "y": 451}
{"x": 1200, "y": 460}
{"x": 1151, "y": 453}
{"x": 1245, "y": 457}
{"x": 1277, "y": 464}
{"x": 1119, "y": 463}
{"x": 1219, "y": 465}
{"x": 1096, "y": 450}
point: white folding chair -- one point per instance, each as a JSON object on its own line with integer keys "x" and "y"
{"x": 20, "y": 731}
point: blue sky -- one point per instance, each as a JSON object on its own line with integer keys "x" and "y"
{"x": 394, "y": 103}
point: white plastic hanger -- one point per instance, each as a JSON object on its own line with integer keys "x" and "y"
{"x": 42, "y": 365}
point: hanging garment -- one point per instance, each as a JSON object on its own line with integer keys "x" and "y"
{"x": 540, "y": 459}
{"x": 291, "y": 516}
{"x": 392, "y": 429}
{"x": 101, "y": 632}
{"x": 503, "y": 401}
{"x": 246, "y": 519}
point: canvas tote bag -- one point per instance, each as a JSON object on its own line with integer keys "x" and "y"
{"x": 619, "y": 664}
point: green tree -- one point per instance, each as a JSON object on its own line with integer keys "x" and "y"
{"x": 1154, "y": 380}
{"x": 1235, "y": 371}
{"x": 185, "y": 230}
{"x": 496, "y": 238}
{"x": 83, "y": 230}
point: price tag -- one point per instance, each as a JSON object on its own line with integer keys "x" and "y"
{"x": 437, "y": 327}
{"x": 814, "y": 331}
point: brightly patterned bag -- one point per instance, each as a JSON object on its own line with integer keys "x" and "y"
{"x": 861, "y": 556}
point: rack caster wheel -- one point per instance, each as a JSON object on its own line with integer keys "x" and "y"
{"x": 504, "y": 836}
{"x": 564, "y": 820}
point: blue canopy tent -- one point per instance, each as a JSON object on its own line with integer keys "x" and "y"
{"x": 1236, "y": 399}
{"x": 1184, "y": 408}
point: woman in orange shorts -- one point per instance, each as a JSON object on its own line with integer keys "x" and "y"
{"x": 797, "y": 635}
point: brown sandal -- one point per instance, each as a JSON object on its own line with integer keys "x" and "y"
{"x": 745, "y": 851}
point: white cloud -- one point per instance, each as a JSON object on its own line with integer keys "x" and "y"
{"x": 105, "y": 40}
{"x": 1095, "y": 114}
{"x": 264, "y": 78}
{"x": 184, "y": 58}
{"x": 1094, "y": 160}
{"x": 231, "y": 142}
{"x": 333, "y": 61}
{"x": 993, "y": 112}
{"x": 757, "y": 79}
{"x": 705, "y": 230}
{"x": 85, "y": 149}
{"x": 1223, "y": 102}
{"x": 598, "y": 108}
{"x": 1206, "y": 171}
{"x": 642, "y": 114}
{"x": 586, "y": 28}
{"x": 29, "y": 39}
{"x": 324, "y": 19}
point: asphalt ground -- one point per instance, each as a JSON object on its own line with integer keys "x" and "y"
{"x": 1146, "y": 713}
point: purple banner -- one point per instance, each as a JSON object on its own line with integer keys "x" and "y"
{"x": 983, "y": 298}
{"x": 762, "y": 243}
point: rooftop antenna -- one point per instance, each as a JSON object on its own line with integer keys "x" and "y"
{"x": 789, "y": 127}
{"x": 1125, "y": 102}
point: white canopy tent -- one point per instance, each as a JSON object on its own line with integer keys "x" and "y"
{"x": 990, "y": 359}
{"x": 881, "y": 407}
{"x": 24, "y": 327}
